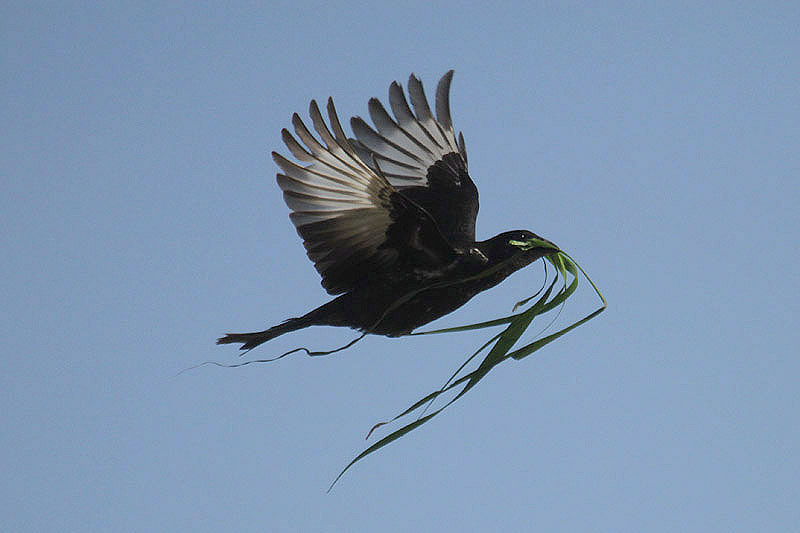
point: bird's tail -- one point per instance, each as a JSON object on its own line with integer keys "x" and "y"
{"x": 251, "y": 340}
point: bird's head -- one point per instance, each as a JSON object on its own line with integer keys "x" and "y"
{"x": 527, "y": 245}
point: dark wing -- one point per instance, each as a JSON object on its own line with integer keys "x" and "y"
{"x": 353, "y": 222}
{"x": 419, "y": 155}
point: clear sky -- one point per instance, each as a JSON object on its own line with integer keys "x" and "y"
{"x": 656, "y": 142}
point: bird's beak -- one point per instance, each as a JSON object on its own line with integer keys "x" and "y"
{"x": 544, "y": 246}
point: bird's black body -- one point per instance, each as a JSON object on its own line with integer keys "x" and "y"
{"x": 389, "y": 219}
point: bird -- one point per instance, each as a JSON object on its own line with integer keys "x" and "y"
{"x": 388, "y": 217}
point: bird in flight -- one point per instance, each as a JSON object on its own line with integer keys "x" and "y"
{"x": 388, "y": 218}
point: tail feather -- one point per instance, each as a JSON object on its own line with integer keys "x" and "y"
{"x": 251, "y": 340}
{"x": 328, "y": 314}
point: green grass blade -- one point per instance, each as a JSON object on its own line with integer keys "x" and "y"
{"x": 383, "y": 442}
{"x": 478, "y": 325}
{"x": 501, "y": 349}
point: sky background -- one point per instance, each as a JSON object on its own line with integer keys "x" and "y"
{"x": 656, "y": 142}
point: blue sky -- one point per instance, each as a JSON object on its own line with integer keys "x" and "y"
{"x": 656, "y": 142}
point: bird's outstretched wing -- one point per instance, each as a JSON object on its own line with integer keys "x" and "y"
{"x": 353, "y": 222}
{"x": 420, "y": 156}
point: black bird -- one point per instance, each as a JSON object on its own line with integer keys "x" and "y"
{"x": 388, "y": 218}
